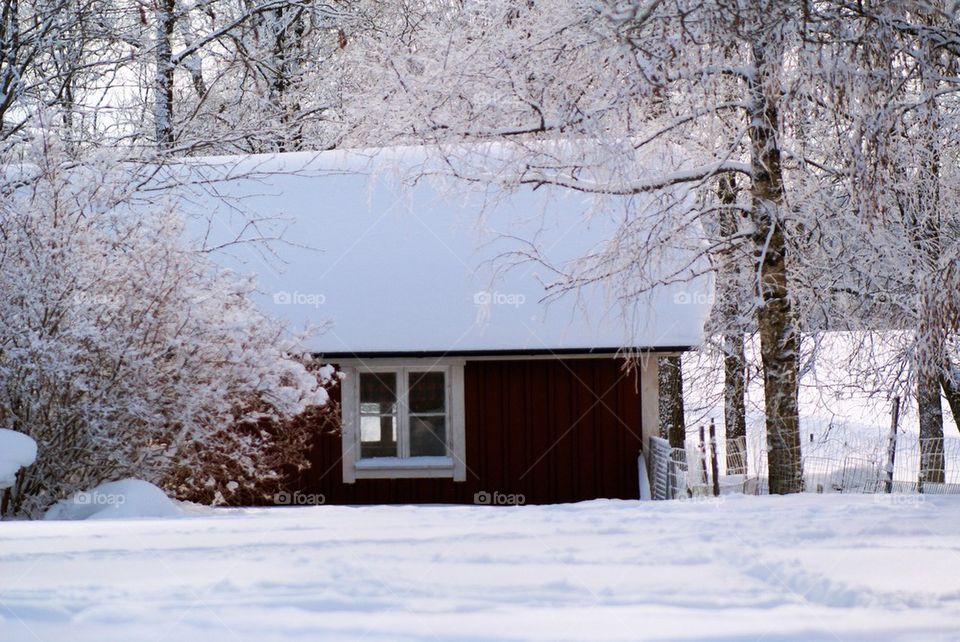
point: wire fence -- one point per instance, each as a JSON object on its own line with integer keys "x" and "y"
{"x": 830, "y": 464}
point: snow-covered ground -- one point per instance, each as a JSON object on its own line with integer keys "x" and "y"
{"x": 837, "y": 567}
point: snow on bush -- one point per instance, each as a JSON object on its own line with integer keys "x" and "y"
{"x": 16, "y": 451}
{"x": 123, "y": 351}
{"x": 210, "y": 472}
{"x": 124, "y": 498}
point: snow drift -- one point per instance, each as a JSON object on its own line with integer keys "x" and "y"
{"x": 127, "y": 498}
{"x": 17, "y": 451}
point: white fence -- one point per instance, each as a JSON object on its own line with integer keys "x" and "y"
{"x": 831, "y": 464}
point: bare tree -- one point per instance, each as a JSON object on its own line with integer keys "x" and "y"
{"x": 672, "y": 423}
{"x": 732, "y": 313}
{"x": 893, "y": 122}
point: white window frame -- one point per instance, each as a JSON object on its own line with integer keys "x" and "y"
{"x": 453, "y": 465}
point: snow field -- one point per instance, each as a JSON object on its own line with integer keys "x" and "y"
{"x": 736, "y": 568}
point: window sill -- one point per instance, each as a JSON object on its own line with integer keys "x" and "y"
{"x": 397, "y": 468}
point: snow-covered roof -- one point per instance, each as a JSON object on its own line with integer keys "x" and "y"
{"x": 429, "y": 267}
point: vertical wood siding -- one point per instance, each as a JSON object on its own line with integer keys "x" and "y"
{"x": 551, "y": 430}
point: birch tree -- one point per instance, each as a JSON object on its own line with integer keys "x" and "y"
{"x": 890, "y": 82}
{"x": 244, "y": 75}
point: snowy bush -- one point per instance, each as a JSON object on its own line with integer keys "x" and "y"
{"x": 210, "y": 472}
{"x": 124, "y": 353}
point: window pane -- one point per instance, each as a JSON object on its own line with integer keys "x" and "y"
{"x": 427, "y": 392}
{"x": 378, "y": 436}
{"x": 370, "y": 429}
{"x": 378, "y": 392}
{"x": 428, "y": 436}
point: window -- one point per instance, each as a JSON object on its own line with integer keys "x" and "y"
{"x": 403, "y": 421}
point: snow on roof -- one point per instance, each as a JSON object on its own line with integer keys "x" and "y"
{"x": 431, "y": 266}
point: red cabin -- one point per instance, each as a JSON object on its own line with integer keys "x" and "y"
{"x": 473, "y": 374}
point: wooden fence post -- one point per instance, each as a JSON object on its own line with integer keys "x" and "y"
{"x": 891, "y": 445}
{"x": 714, "y": 465}
{"x": 703, "y": 458}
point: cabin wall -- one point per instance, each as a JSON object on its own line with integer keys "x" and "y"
{"x": 552, "y": 430}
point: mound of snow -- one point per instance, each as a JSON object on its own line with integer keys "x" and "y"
{"x": 17, "y": 451}
{"x": 119, "y": 499}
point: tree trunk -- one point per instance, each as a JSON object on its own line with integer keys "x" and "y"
{"x": 734, "y": 356}
{"x": 775, "y": 320}
{"x": 931, "y": 428}
{"x": 672, "y": 425}
{"x": 951, "y": 390}
{"x": 163, "y": 84}
{"x": 734, "y": 403}
{"x": 931, "y": 333}
{"x": 10, "y": 76}
{"x": 287, "y": 39}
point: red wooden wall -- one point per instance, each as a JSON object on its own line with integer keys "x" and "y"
{"x": 552, "y": 430}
